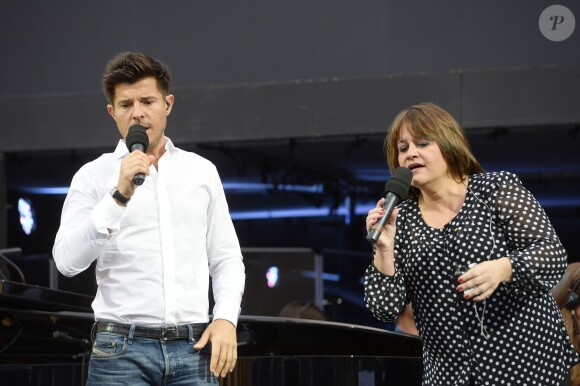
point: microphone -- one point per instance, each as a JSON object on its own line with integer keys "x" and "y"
{"x": 65, "y": 336}
{"x": 396, "y": 189}
{"x": 137, "y": 139}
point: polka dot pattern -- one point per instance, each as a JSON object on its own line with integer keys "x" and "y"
{"x": 526, "y": 342}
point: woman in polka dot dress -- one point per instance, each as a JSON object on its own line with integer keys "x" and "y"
{"x": 476, "y": 256}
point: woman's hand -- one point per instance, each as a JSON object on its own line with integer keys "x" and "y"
{"x": 384, "y": 255}
{"x": 483, "y": 279}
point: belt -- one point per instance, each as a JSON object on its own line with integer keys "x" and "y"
{"x": 164, "y": 332}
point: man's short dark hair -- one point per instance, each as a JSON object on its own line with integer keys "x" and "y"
{"x": 131, "y": 67}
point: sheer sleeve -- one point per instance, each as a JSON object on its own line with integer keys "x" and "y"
{"x": 538, "y": 258}
{"x": 385, "y": 295}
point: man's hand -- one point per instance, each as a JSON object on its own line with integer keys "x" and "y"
{"x": 134, "y": 163}
{"x": 224, "y": 346}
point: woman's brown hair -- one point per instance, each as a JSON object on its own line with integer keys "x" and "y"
{"x": 429, "y": 121}
{"x": 560, "y": 293}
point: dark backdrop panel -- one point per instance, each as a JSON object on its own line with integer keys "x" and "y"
{"x": 540, "y": 96}
{"x": 265, "y": 54}
{"x": 55, "y": 48}
{"x": 314, "y": 109}
{"x": 246, "y": 112}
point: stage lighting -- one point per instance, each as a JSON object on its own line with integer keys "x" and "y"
{"x": 27, "y": 215}
{"x": 272, "y": 277}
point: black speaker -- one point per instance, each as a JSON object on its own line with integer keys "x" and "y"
{"x": 572, "y": 299}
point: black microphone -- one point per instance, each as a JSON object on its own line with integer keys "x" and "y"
{"x": 65, "y": 336}
{"x": 137, "y": 139}
{"x": 396, "y": 189}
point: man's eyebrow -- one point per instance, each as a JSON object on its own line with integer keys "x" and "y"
{"x": 123, "y": 100}
{"x": 130, "y": 100}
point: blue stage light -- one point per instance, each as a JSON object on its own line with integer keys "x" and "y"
{"x": 27, "y": 215}
{"x": 272, "y": 276}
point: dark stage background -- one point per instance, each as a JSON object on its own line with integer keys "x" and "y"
{"x": 291, "y": 101}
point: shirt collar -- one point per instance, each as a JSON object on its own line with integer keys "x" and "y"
{"x": 121, "y": 149}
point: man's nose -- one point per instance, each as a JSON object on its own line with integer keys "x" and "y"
{"x": 137, "y": 112}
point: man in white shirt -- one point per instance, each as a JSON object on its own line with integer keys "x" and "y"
{"x": 155, "y": 245}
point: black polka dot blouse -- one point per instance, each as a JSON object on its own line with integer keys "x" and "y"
{"x": 515, "y": 337}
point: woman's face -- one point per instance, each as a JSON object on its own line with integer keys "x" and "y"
{"x": 423, "y": 157}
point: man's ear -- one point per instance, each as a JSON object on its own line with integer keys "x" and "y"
{"x": 169, "y": 100}
{"x": 111, "y": 111}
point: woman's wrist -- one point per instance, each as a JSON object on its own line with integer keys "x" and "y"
{"x": 506, "y": 266}
{"x": 384, "y": 260}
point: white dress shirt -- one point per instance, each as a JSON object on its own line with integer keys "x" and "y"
{"x": 154, "y": 256}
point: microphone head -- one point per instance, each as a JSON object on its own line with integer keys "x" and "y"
{"x": 400, "y": 182}
{"x": 137, "y": 136}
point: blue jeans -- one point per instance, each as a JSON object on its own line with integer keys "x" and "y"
{"x": 128, "y": 360}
